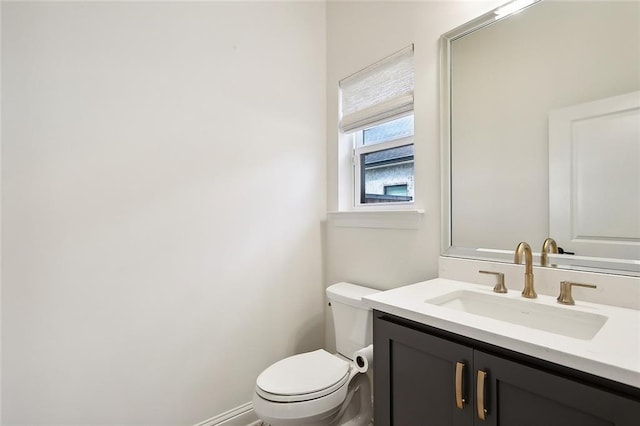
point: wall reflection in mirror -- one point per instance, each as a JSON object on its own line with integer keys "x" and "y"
{"x": 544, "y": 136}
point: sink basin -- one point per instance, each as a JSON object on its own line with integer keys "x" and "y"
{"x": 552, "y": 319}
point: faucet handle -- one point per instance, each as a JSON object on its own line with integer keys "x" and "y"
{"x": 499, "y": 287}
{"x": 565, "y": 292}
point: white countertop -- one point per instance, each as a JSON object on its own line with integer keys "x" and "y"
{"x": 613, "y": 353}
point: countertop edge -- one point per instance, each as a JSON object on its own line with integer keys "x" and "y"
{"x": 581, "y": 363}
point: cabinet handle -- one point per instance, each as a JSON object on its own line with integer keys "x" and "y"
{"x": 480, "y": 390}
{"x": 459, "y": 374}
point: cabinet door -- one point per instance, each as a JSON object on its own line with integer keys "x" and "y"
{"x": 415, "y": 378}
{"x": 519, "y": 395}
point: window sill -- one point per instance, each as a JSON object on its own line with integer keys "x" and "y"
{"x": 380, "y": 219}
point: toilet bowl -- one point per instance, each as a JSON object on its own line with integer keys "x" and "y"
{"x": 319, "y": 388}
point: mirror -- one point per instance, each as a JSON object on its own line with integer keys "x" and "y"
{"x": 541, "y": 134}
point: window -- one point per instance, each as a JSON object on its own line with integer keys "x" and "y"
{"x": 383, "y": 162}
{"x": 377, "y": 120}
{"x": 397, "y": 190}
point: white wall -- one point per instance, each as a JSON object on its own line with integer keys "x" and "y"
{"x": 163, "y": 186}
{"x": 0, "y": 217}
{"x": 358, "y": 34}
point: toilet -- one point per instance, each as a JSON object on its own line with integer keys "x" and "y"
{"x": 319, "y": 388}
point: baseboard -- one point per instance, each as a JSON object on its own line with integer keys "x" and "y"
{"x": 239, "y": 416}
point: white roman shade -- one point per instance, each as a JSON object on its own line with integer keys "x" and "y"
{"x": 379, "y": 92}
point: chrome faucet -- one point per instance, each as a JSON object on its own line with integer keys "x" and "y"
{"x": 525, "y": 248}
{"x": 549, "y": 246}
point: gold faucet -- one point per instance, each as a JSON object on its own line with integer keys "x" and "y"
{"x": 549, "y": 246}
{"x": 499, "y": 287}
{"x": 565, "y": 292}
{"x": 525, "y": 248}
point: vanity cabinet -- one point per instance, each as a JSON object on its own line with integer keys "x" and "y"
{"x": 424, "y": 376}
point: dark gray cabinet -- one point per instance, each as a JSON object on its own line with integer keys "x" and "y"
{"x": 424, "y": 376}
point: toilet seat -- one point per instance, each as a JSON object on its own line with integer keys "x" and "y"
{"x": 303, "y": 377}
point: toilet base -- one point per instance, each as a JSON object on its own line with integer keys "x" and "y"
{"x": 355, "y": 410}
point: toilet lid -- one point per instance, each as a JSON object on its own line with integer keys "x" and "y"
{"x": 294, "y": 378}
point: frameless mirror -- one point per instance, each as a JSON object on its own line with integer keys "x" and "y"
{"x": 541, "y": 134}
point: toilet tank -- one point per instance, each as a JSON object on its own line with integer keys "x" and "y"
{"x": 352, "y": 320}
